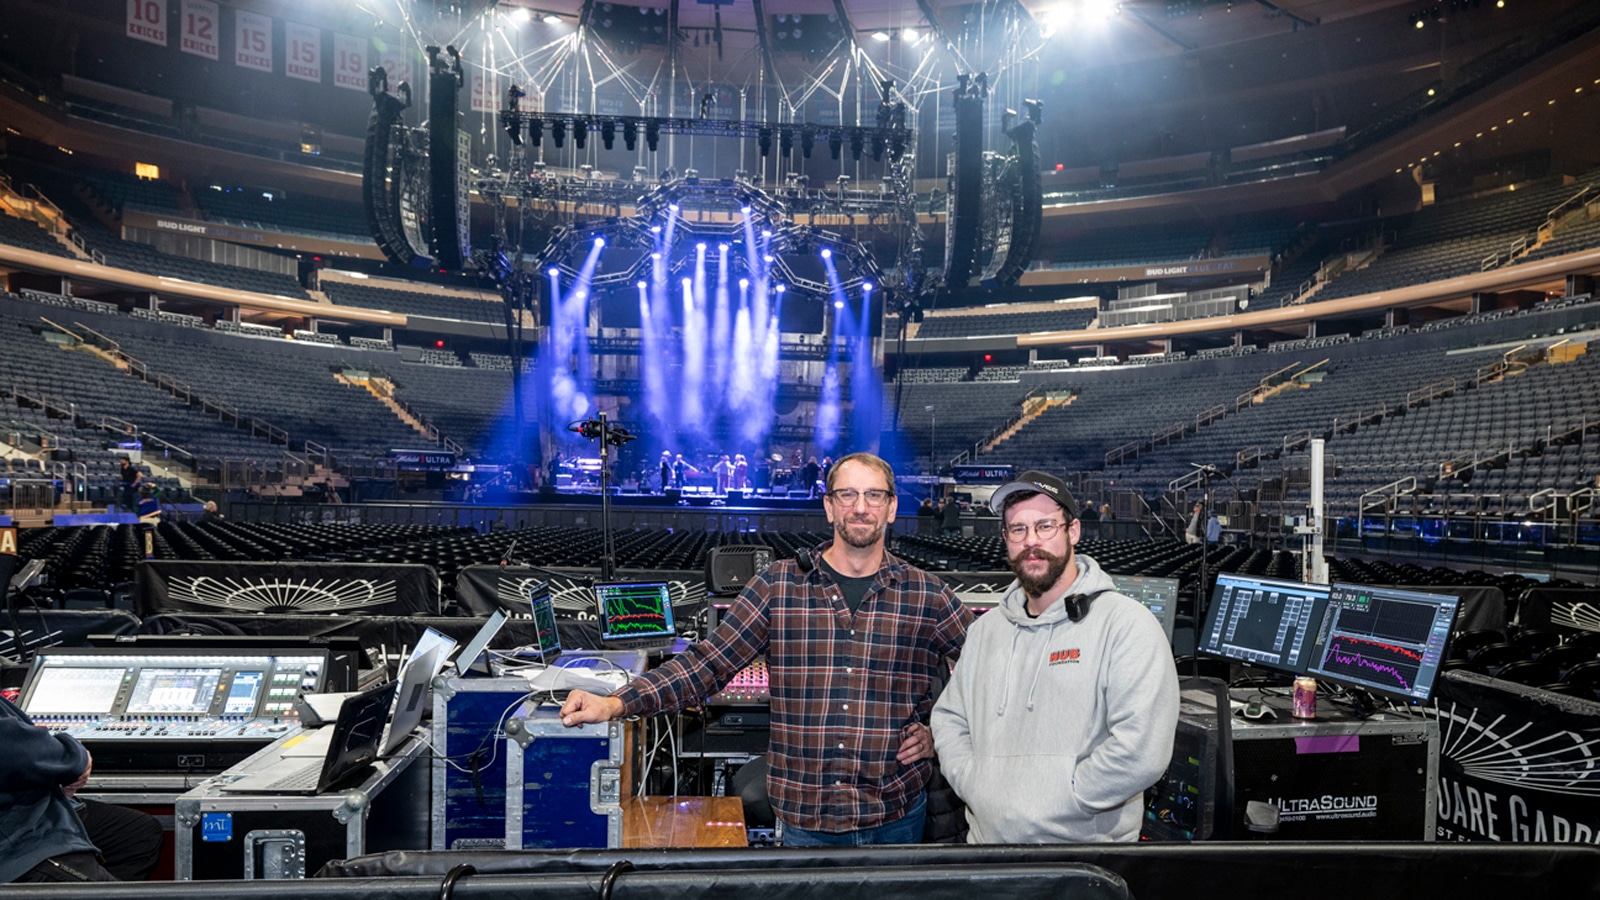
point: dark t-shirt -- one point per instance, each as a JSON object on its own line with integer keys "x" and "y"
{"x": 853, "y": 589}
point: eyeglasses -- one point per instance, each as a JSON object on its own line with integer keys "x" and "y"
{"x": 1044, "y": 528}
{"x": 848, "y": 496}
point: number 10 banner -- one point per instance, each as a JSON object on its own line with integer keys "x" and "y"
{"x": 147, "y": 21}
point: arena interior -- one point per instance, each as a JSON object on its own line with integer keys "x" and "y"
{"x": 328, "y": 323}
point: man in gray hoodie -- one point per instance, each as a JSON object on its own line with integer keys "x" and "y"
{"x": 1063, "y": 707}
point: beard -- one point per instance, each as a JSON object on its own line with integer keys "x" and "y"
{"x": 1034, "y": 585}
{"x": 860, "y": 535}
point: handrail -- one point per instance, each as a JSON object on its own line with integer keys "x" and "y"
{"x": 169, "y": 446}
{"x": 1207, "y": 416}
{"x": 112, "y": 423}
{"x": 1271, "y": 380}
{"x": 1296, "y": 439}
{"x": 1183, "y": 482}
{"x": 1176, "y": 429}
{"x": 1122, "y": 451}
{"x": 110, "y": 344}
{"x": 1440, "y": 388}
{"x": 1360, "y": 417}
{"x": 315, "y": 450}
{"x": 1247, "y": 457}
{"x": 1387, "y": 492}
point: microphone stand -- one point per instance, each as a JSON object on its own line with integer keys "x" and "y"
{"x": 608, "y": 550}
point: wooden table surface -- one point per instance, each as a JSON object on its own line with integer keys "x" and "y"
{"x": 683, "y": 822}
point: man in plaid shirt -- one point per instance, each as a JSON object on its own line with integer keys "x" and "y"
{"x": 855, "y": 640}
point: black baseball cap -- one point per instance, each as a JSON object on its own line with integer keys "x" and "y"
{"x": 1035, "y": 482}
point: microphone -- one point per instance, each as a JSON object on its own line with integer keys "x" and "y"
{"x": 506, "y": 559}
{"x": 1209, "y": 470}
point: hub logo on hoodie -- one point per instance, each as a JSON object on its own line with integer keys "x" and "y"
{"x": 1057, "y": 657}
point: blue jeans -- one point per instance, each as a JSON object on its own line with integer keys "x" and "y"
{"x": 905, "y": 830}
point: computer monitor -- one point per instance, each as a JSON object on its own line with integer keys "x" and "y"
{"x": 1159, "y": 595}
{"x": 634, "y": 610}
{"x": 179, "y": 691}
{"x": 544, "y": 622}
{"x": 87, "y": 690}
{"x": 1386, "y": 640}
{"x": 1263, "y": 621}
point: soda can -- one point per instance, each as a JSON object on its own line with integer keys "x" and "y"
{"x": 1305, "y": 698}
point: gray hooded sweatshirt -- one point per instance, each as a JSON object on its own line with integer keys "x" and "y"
{"x": 1050, "y": 730}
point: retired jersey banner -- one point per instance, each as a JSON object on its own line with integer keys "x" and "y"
{"x": 200, "y": 27}
{"x": 396, "y": 61}
{"x": 1516, "y": 764}
{"x": 302, "y": 52}
{"x": 147, "y": 21}
{"x": 485, "y": 91}
{"x": 350, "y": 62}
{"x": 252, "y": 41}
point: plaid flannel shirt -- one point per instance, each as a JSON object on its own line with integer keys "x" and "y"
{"x": 844, "y": 687}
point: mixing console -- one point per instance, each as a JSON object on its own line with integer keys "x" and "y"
{"x": 748, "y": 686}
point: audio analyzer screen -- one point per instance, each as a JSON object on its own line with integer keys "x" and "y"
{"x": 629, "y": 611}
{"x": 1385, "y": 640}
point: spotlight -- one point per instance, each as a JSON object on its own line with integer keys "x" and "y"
{"x": 785, "y": 141}
{"x": 580, "y": 133}
{"x": 701, "y": 246}
{"x": 652, "y": 134}
{"x": 880, "y": 36}
{"x": 835, "y": 145}
{"x": 857, "y": 142}
{"x": 535, "y": 131}
{"x": 599, "y": 242}
{"x": 838, "y": 304}
{"x": 744, "y": 210}
{"x": 826, "y": 253}
{"x": 744, "y": 283}
{"x": 553, "y": 272}
{"x": 552, "y": 19}
{"x": 630, "y": 134}
{"x": 764, "y": 140}
{"x": 655, "y": 256}
{"x": 640, "y": 285}
{"x": 673, "y": 207}
{"x": 655, "y": 229}
{"x": 877, "y": 146}
{"x": 558, "y": 132}
{"x": 608, "y": 133}
{"x": 808, "y": 139}
{"x": 867, "y": 287}
{"x": 780, "y": 288}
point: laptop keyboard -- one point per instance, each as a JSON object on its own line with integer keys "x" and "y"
{"x": 300, "y": 780}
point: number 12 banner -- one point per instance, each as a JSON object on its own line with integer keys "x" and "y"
{"x": 200, "y": 28}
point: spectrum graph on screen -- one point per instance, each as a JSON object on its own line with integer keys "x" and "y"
{"x": 629, "y": 611}
{"x": 1383, "y": 639}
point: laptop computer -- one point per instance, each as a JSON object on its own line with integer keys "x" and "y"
{"x": 635, "y": 615}
{"x": 474, "y": 648}
{"x": 351, "y": 747}
{"x": 415, "y": 677}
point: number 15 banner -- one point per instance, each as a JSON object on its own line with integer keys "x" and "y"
{"x": 302, "y": 56}
{"x": 252, "y": 41}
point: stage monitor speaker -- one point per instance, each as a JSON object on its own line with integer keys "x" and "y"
{"x": 673, "y": 495}
{"x": 736, "y": 495}
{"x": 730, "y": 568}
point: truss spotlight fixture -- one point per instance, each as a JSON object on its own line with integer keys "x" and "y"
{"x": 630, "y": 134}
{"x": 808, "y": 139}
{"x": 600, "y": 241}
{"x": 652, "y": 134}
{"x": 838, "y": 304}
{"x": 877, "y": 146}
{"x": 513, "y": 127}
{"x": 785, "y": 141}
{"x": 535, "y": 131}
{"x": 780, "y": 288}
{"x": 857, "y": 144}
{"x": 580, "y": 133}
{"x": 552, "y": 19}
{"x": 764, "y": 141}
{"x": 866, "y": 287}
{"x": 553, "y": 272}
{"x": 744, "y": 210}
{"x": 835, "y": 145}
{"x": 558, "y": 133}
{"x": 640, "y": 285}
{"x": 826, "y": 253}
{"x": 608, "y": 133}
{"x": 881, "y": 36}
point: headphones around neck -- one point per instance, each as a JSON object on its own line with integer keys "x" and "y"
{"x": 1078, "y": 604}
